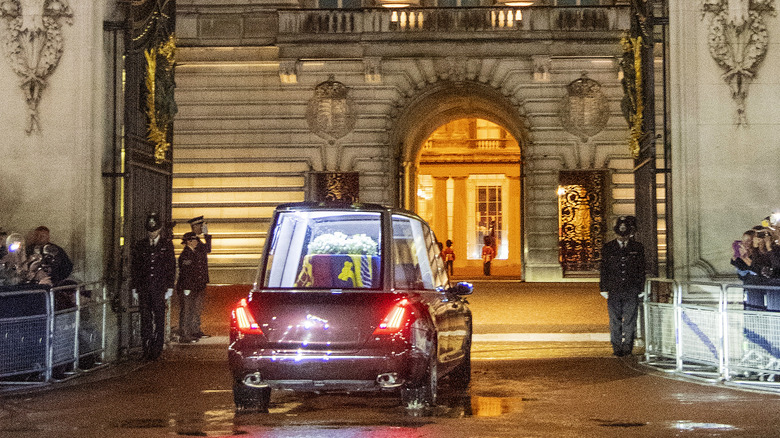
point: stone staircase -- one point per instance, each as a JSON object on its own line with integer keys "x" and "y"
{"x": 223, "y": 171}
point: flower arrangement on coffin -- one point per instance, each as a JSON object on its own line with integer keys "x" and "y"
{"x": 340, "y": 243}
{"x": 341, "y": 261}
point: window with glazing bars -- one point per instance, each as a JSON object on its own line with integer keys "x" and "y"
{"x": 489, "y": 213}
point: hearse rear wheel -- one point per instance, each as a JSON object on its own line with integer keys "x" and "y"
{"x": 423, "y": 393}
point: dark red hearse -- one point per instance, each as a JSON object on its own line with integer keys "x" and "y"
{"x": 350, "y": 297}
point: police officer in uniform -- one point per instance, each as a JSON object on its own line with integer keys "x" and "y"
{"x": 153, "y": 272}
{"x": 623, "y": 278}
{"x": 202, "y": 249}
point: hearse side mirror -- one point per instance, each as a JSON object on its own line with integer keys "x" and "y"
{"x": 462, "y": 288}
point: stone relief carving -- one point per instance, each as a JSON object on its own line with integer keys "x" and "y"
{"x": 541, "y": 68}
{"x": 584, "y": 113}
{"x": 288, "y": 72}
{"x": 331, "y": 115}
{"x": 33, "y": 45}
{"x": 373, "y": 70}
{"x": 738, "y": 41}
{"x": 585, "y": 109}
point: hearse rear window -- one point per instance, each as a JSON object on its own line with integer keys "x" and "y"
{"x": 325, "y": 250}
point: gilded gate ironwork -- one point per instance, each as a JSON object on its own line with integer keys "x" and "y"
{"x": 639, "y": 109}
{"x": 581, "y": 221}
{"x": 148, "y": 115}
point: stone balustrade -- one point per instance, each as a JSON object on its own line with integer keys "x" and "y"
{"x": 483, "y": 19}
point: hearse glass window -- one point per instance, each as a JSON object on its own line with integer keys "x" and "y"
{"x": 411, "y": 267}
{"x": 325, "y": 250}
{"x": 434, "y": 256}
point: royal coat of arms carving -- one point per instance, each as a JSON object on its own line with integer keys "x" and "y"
{"x": 585, "y": 109}
{"x": 330, "y": 113}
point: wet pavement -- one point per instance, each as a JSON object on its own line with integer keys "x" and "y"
{"x": 519, "y": 388}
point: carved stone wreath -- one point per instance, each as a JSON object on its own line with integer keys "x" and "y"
{"x": 738, "y": 40}
{"x": 33, "y": 44}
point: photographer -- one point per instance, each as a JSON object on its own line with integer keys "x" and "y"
{"x": 47, "y": 257}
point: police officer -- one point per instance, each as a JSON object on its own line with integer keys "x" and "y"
{"x": 623, "y": 277}
{"x": 199, "y": 228}
{"x": 153, "y": 272}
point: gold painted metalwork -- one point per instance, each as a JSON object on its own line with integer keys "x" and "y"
{"x": 160, "y": 116}
{"x": 581, "y": 219}
{"x": 337, "y": 186}
{"x": 633, "y": 89}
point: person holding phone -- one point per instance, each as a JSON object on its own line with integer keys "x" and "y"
{"x": 742, "y": 259}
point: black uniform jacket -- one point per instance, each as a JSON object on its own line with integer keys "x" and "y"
{"x": 622, "y": 269}
{"x": 153, "y": 268}
{"x": 193, "y": 269}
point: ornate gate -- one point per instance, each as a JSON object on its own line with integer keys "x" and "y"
{"x": 581, "y": 221}
{"x": 147, "y": 156}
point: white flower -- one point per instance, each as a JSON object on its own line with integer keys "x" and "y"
{"x": 340, "y": 243}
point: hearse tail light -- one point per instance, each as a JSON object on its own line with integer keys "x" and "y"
{"x": 244, "y": 320}
{"x": 394, "y": 321}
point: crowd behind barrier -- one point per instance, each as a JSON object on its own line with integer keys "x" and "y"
{"x": 707, "y": 330}
{"x": 51, "y": 334}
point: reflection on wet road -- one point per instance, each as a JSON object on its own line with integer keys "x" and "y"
{"x": 531, "y": 397}
{"x": 518, "y": 389}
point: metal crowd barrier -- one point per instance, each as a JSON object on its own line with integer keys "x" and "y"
{"x": 713, "y": 331}
{"x": 49, "y": 335}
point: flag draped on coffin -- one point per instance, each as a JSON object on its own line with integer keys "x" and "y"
{"x": 346, "y": 271}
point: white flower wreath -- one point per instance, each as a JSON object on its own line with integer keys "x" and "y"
{"x": 340, "y": 243}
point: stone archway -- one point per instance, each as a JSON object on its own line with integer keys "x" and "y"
{"x": 446, "y": 101}
{"x": 438, "y": 105}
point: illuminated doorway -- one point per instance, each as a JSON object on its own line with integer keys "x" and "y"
{"x": 468, "y": 187}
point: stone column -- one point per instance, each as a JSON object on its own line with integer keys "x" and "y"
{"x": 440, "y": 207}
{"x": 459, "y": 217}
{"x": 515, "y": 223}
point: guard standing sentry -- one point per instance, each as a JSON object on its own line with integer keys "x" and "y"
{"x": 623, "y": 278}
{"x": 200, "y": 227}
{"x": 153, "y": 273}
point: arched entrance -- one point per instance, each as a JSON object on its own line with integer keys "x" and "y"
{"x": 461, "y": 155}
